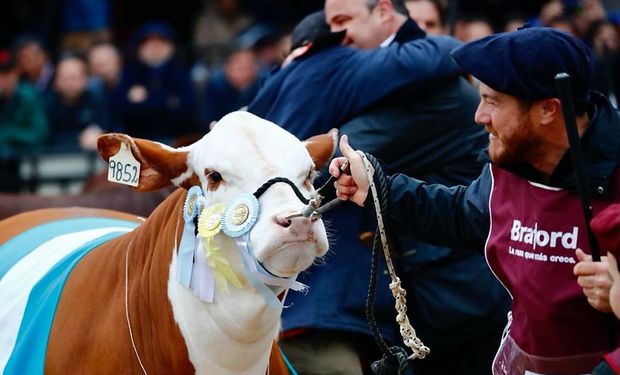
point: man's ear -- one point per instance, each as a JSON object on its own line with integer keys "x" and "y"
{"x": 550, "y": 110}
{"x": 160, "y": 165}
{"x": 322, "y": 148}
{"x": 385, "y": 8}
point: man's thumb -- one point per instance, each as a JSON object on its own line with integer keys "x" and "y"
{"x": 346, "y": 150}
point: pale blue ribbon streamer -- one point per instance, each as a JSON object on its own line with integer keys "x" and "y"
{"x": 268, "y": 285}
{"x": 203, "y": 278}
{"x": 186, "y": 254}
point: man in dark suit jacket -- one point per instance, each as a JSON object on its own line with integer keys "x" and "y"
{"x": 324, "y": 86}
{"x": 458, "y": 307}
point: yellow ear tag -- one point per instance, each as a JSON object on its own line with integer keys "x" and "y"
{"x": 209, "y": 225}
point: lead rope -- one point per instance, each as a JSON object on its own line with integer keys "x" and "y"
{"x": 395, "y": 358}
{"x": 133, "y": 343}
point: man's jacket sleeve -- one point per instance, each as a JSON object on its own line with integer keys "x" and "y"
{"x": 455, "y": 216}
{"x": 371, "y": 75}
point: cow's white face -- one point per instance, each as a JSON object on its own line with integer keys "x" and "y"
{"x": 240, "y": 154}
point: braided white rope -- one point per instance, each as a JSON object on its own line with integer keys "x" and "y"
{"x": 407, "y": 332}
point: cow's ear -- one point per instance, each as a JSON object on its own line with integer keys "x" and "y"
{"x": 322, "y": 148}
{"x": 160, "y": 165}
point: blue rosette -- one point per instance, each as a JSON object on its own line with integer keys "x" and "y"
{"x": 185, "y": 261}
{"x": 240, "y": 215}
{"x": 191, "y": 207}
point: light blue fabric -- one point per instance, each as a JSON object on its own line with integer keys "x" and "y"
{"x": 28, "y": 355}
{"x": 21, "y": 245}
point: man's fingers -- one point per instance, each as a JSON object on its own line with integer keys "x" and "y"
{"x": 334, "y": 166}
{"x": 345, "y": 180}
{"x": 585, "y": 282}
{"x": 581, "y": 256}
{"x": 588, "y": 267}
{"x": 347, "y": 190}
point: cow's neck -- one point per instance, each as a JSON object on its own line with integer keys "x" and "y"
{"x": 232, "y": 335}
{"x": 149, "y": 253}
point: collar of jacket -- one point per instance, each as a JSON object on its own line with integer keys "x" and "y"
{"x": 408, "y": 31}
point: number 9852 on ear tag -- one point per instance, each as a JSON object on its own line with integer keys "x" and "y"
{"x": 123, "y": 168}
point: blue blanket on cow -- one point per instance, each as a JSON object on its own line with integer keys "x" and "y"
{"x": 34, "y": 267}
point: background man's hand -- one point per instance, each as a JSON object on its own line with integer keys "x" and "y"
{"x": 353, "y": 187}
{"x": 594, "y": 278}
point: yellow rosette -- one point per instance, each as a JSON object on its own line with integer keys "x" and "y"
{"x": 209, "y": 225}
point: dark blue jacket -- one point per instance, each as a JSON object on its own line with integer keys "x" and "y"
{"x": 155, "y": 103}
{"x": 221, "y": 98}
{"x": 68, "y": 121}
{"x": 318, "y": 93}
{"x": 429, "y": 132}
{"x": 323, "y": 88}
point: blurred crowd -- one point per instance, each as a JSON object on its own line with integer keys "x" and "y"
{"x": 158, "y": 83}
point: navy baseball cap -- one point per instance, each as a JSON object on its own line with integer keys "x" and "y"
{"x": 313, "y": 29}
{"x": 524, "y": 63}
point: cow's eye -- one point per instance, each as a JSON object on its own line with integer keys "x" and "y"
{"x": 214, "y": 177}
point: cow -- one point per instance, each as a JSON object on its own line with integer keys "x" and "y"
{"x": 121, "y": 308}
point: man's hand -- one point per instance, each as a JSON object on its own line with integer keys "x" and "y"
{"x": 594, "y": 278}
{"x": 353, "y": 187}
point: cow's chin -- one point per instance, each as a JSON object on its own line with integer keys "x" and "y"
{"x": 289, "y": 258}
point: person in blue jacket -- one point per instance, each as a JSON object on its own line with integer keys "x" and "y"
{"x": 326, "y": 85}
{"x": 523, "y": 210}
{"x": 155, "y": 97}
{"x": 428, "y": 132}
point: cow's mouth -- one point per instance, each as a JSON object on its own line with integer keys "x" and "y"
{"x": 290, "y": 258}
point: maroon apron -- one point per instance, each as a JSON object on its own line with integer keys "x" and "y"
{"x": 535, "y": 230}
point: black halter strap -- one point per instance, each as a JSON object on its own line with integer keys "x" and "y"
{"x": 261, "y": 190}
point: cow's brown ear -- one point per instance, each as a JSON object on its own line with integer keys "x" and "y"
{"x": 322, "y": 147}
{"x": 159, "y": 165}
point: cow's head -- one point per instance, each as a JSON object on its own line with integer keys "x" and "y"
{"x": 240, "y": 154}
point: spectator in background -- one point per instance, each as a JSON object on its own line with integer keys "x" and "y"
{"x": 564, "y": 23}
{"x": 155, "y": 94}
{"x": 105, "y": 65}
{"x": 428, "y": 14}
{"x": 84, "y": 23}
{"x": 472, "y": 27}
{"x": 269, "y": 44}
{"x": 33, "y": 62}
{"x": 73, "y": 107}
{"x": 605, "y": 42}
{"x": 587, "y": 15}
{"x": 230, "y": 87}
{"x": 22, "y": 121}
{"x": 550, "y": 10}
{"x": 217, "y": 26}
{"x": 513, "y": 21}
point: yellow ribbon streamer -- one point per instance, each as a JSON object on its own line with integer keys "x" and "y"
{"x": 209, "y": 225}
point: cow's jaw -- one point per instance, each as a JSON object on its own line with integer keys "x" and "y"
{"x": 234, "y": 334}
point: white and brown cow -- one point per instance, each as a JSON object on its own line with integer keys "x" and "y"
{"x": 129, "y": 281}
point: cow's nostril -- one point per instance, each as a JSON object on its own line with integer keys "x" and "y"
{"x": 283, "y": 221}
